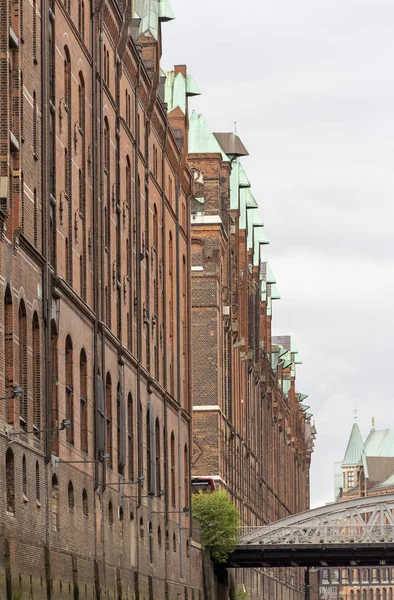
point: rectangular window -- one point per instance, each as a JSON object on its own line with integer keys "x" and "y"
{"x": 350, "y": 479}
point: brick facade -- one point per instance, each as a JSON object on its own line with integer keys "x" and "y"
{"x": 94, "y": 204}
{"x": 249, "y": 433}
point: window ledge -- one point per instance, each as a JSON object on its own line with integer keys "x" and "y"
{"x": 38, "y": 503}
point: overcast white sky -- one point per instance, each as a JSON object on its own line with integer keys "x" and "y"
{"x": 310, "y": 84}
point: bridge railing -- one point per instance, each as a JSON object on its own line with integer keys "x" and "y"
{"x": 318, "y": 534}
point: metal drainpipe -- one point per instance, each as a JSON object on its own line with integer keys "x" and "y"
{"x": 178, "y": 341}
{"x": 94, "y": 167}
{"x": 101, "y": 217}
{"x": 138, "y": 285}
{"x": 163, "y": 253}
{"x": 146, "y": 242}
{"x": 93, "y": 24}
{"x": 47, "y": 291}
{"x": 46, "y": 281}
{"x": 189, "y": 350}
{"x": 117, "y": 208}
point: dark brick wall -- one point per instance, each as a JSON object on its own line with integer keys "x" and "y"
{"x": 247, "y": 434}
{"x": 109, "y": 288}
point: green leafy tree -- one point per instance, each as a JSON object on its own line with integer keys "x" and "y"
{"x": 219, "y": 523}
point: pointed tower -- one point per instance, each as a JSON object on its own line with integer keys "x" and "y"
{"x": 351, "y": 461}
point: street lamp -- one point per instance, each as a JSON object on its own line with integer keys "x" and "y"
{"x": 65, "y": 424}
{"x": 16, "y": 392}
{"x": 103, "y": 458}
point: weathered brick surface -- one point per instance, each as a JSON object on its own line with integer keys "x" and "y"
{"x": 247, "y": 434}
{"x": 99, "y": 250}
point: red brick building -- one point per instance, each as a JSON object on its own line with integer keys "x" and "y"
{"x": 95, "y": 416}
{"x": 251, "y": 433}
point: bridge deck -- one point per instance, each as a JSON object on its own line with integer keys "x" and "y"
{"x": 311, "y": 555}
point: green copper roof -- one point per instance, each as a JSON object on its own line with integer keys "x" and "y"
{"x": 354, "y": 448}
{"x": 380, "y": 442}
{"x": 242, "y": 208}
{"x": 201, "y": 138}
{"x": 151, "y": 12}
{"x": 274, "y": 292}
{"x": 234, "y": 185}
{"x": 250, "y": 199}
{"x": 243, "y": 179}
{"x": 253, "y": 218}
{"x": 178, "y": 89}
{"x": 269, "y": 275}
{"x": 259, "y": 238}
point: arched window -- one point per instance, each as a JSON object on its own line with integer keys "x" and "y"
{"x": 85, "y": 506}
{"x": 128, "y": 181}
{"x": 105, "y": 64}
{"x": 38, "y": 494}
{"x": 66, "y": 258}
{"x": 150, "y": 454}
{"x": 81, "y": 18}
{"x": 174, "y": 542}
{"x": 34, "y": 32}
{"x": 23, "y": 365}
{"x": 55, "y": 503}
{"x": 55, "y": 387}
{"x": 24, "y": 476}
{"x": 67, "y": 78}
{"x": 187, "y": 548}
{"x": 167, "y": 540}
{"x": 107, "y": 77}
{"x": 70, "y": 496}
{"x": 121, "y": 517}
{"x": 130, "y": 440}
{"x": 184, "y": 312}
{"x": 133, "y": 540}
{"x": 83, "y": 383}
{"x": 390, "y": 594}
{"x": 36, "y": 373}
{"x": 110, "y": 514}
{"x": 186, "y": 475}
{"x": 108, "y": 416}
{"x": 371, "y": 594}
{"x": 172, "y": 450}
{"x": 158, "y": 456}
{"x": 118, "y": 427}
{"x": 10, "y": 481}
{"x": 81, "y": 102}
{"x": 141, "y": 528}
{"x": 9, "y": 353}
{"x": 159, "y": 536}
{"x": 150, "y": 543}
{"x": 106, "y": 145}
{"x": 69, "y": 389}
{"x": 34, "y": 124}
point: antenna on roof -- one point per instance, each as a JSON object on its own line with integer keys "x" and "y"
{"x": 235, "y": 127}
{"x": 355, "y": 412}
{"x": 373, "y": 422}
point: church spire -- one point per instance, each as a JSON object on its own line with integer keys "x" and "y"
{"x": 355, "y": 445}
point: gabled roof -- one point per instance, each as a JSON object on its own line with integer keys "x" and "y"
{"x": 354, "y": 447}
{"x": 151, "y": 12}
{"x": 201, "y": 138}
{"x": 380, "y": 442}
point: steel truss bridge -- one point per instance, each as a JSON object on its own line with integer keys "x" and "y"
{"x": 349, "y": 533}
